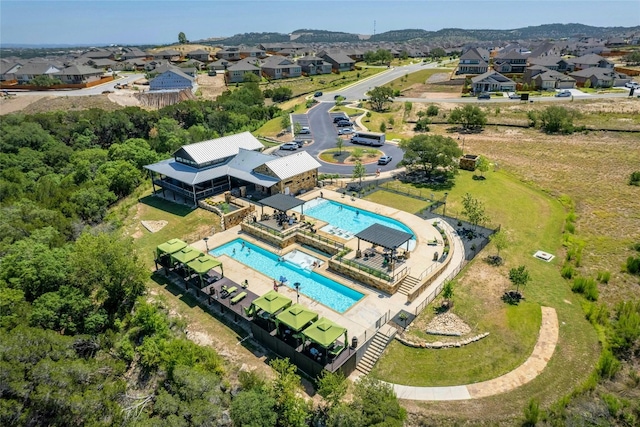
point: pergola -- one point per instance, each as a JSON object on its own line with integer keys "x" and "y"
{"x": 325, "y": 333}
{"x": 270, "y": 303}
{"x": 387, "y": 237}
{"x": 282, "y": 202}
{"x": 165, "y": 250}
{"x": 296, "y": 317}
{"x": 185, "y": 255}
{"x": 202, "y": 265}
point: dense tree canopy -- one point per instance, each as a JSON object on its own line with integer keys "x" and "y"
{"x": 379, "y": 97}
{"x": 469, "y": 117}
{"x": 433, "y": 153}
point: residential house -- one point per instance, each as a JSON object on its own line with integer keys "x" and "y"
{"x": 276, "y": 48}
{"x": 252, "y": 52}
{"x": 211, "y": 167}
{"x": 615, "y": 42}
{"x": 229, "y": 54}
{"x": 591, "y": 60}
{"x": 543, "y": 78}
{"x": 8, "y": 70}
{"x": 278, "y": 67}
{"x": 492, "y": 81}
{"x": 172, "y": 79}
{"x": 235, "y": 73}
{"x": 600, "y": 77}
{"x": 31, "y": 70}
{"x": 472, "y": 62}
{"x": 99, "y": 54}
{"x": 555, "y": 63}
{"x": 339, "y": 61}
{"x": 198, "y": 55}
{"x": 193, "y": 64}
{"x": 78, "y": 74}
{"x": 132, "y": 53}
{"x": 167, "y": 54}
{"x": 510, "y": 62}
{"x": 546, "y": 49}
{"x": 312, "y": 65}
{"x": 103, "y": 64}
{"x": 220, "y": 64}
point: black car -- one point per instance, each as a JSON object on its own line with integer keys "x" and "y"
{"x": 317, "y": 94}
{"x": 337, "y": 119}
{"x": 338, "y": 96}
{"x": 344, "y": 123}
{"x": 484, "y": 96}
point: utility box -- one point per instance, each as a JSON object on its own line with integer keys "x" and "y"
{"x": 469, "y": 162}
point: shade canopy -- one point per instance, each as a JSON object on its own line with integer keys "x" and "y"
{"x": 281, "y": 202}
{"x": 186, "y": 254}
{"x": 170, "y": 247}
{"x": 271, "y": 302}
{"x": 203, "y": 264}
{"x": 296, "y": 317}
{"x": 384, "y": 236}
{"x": 324, "y": 332}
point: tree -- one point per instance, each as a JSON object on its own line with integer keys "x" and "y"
{"x": 438, "y": 52}
{"x": 383, "y": 127}
{"x": 473, "y": 209}
{"x": 281, "y": 94}
{"x": 432, "y": 152}
{"x": 469, "y": 116}
{"x": 45, "y": 80}
{"x": 376, "y": 404}
{"x": 332, "y": 386}
{"x": 379, "y": 97}
{"x": 292, "y": 409}
{"x": 182, "y": 38}
{"x": 634, "y": 178}
{"x": 297, "y": 127}
{"x": 482, "y": 165}
{"x": 519, "y": 277}
{"x": 432, "y": 110}
{"x": 359, "y": 171}
{"x": 285, "y": 121}
{"x": 632, "y": 58}
{"x": 500, "y": 241}
{"x": 339, "y": 144}
{"x": 339, "y": 100}
{"x": 556, "y": 119}
{"x": 252, "y": 408}
{"x": 447, "y": 294}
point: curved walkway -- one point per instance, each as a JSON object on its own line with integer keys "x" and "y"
{"x": 531, "y": 368}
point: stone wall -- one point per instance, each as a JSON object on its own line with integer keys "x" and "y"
{"x": 417, "y": 343}
{"x": 230, "y": 219}
{"x": 361, "y": 276}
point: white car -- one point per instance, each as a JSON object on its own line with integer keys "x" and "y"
{"x": 289, "y": 146}
{"x": 513, "y": 95}
{"x": 384, "y": 160}
{"x": 345, "y": 131}
{"x": 632, "y": 85}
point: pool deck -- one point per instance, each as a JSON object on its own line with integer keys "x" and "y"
{"x": 361, "y": 318}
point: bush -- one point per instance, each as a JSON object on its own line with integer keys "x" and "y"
{"x": 634, "y": 179}
{"x": 608, "y": 365}
{"x": 567, "y": 271}
{"x": 633, "y": 265}
{"x": 432, "y": 111}
{"x": 531, "y": 413}
{"x": 597, "y": 314}
{"x": 604, "y": 277}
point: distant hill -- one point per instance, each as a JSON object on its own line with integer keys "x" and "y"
{"x": 446, "y": 36}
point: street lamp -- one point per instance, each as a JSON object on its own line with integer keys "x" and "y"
{"x": 297, "y": 286}
{"x": 206, "y": 242}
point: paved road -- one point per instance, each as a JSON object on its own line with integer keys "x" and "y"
{"x": 96, "y": 90}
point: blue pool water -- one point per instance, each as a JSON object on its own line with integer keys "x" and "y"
{"x": 349, "y": 218}
{"x": 316, "y": 286}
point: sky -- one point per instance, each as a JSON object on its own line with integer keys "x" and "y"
{"x": 103, "y": 22}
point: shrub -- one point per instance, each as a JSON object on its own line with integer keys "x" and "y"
{"x": 567, "y": 271}
{"x": 608, "y": 365}
{"x": 432, "y": 110}
{"x": 604, "y": 277}
{"x": 531, "y": 413}
{"x": 633, "y": 265}
{"x": 597, "y": 314}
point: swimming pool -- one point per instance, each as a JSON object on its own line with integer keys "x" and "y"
{"x": 345, "y": 221}
{"x": 316, "y": 286}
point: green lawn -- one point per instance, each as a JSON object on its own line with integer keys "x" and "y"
{"x": 419, "y": 77}
{"x": 398, "y": 201}
{"x": 533, "y": 221}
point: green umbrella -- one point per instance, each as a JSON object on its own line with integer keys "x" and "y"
{"x": 296, "y": 317}
{"x": 202, "y": 265}
{"x": 272, "y": 302}
{"x": 170, "y": 247}
{"x": 185, "y": 255}
{"x": 324, "y": 332}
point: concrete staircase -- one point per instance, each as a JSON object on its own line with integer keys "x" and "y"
{"x": 407, "y": 284}
{"x": 379, "y": 342}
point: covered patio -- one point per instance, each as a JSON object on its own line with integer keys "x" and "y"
{"x": 387, "y": 238}
{"x": 185, "y": 255}
{"x": 265, "y": 308}
{"x": 165, "y": 250}
{"x": 202, "y": 267}
{"x": 281, "y": 203}
{"x": 321, "y": 340}
{"x": 293, "y": 320}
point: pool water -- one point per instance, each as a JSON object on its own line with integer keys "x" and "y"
{"x": 346, "y": 221}
{"x": 316, "y": 286}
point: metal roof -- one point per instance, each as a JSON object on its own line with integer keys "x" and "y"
{"x": 281, "y": 202}
{"x": 292, "y": 165}
{"x": 220, "y": 148}
{"x": 384, "y": 236}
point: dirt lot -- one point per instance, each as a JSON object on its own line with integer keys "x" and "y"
{"x": 211, "y": 86}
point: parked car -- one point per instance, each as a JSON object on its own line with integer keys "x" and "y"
{"x": 289, "y": 146}
{"x": 212, "y": 73}
{"x": 384, "y": 160}
{"x": 484, "y": 96}
{"x": 337, "y": 119}
{"x": 317, "y": 94}
{"x": 299, "y": 142}
{"x": 344, "y": 123}
{"x": 563, "y": 94}
{"x": 304, "y": 130}
{"x": 514, "y": 95}
{"x": 632, "y": 85}
{"x": 345, "y": 131}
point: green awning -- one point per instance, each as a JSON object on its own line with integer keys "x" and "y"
{"x": 296, "y": 317}
{"x": 203, "y": 264}
{"x": 186, "y": 254}
{"x": 272, "y": 302}
{"x": 170, "y": 247}
{"x": 324, "y": 332}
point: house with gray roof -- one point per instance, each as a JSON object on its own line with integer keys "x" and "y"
{"x": 8, "y": 70}
{"x": 339, "y": 61}
{"x": 472, "y": 62}
{"x": 235, "y": 73}
{"x": 252, "y": 52}
{"x": 211, "y": 167}
{"x": 229, "y": 54}
{"x": 591, "y": 60}
{"x": 543, "y": 78}
{"x": 199, "y": 55}
{"x": 492, "y": 81}
{"x": 600, "y": 77}
{"x": 312, "y": 65}
{"x": 30, "y": 70}
{"x": 132, "y": 53}
{"x": 79, "y": 74}
{"x": 555, "y": 63}
{"x": 167, "y": 54}
{"x": 510, "y": 62}
{"x": 278, "y": 67}
{"x": 172, "y": 79}
{"x": 220, "y": 64}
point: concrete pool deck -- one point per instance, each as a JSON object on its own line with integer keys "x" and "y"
{"x": 361, "y": 318}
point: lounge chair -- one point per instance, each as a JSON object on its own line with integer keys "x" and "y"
{"x": 335, "y": 351}
{"x": 226, "y": 292}
{"x": 238, "y": 298}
